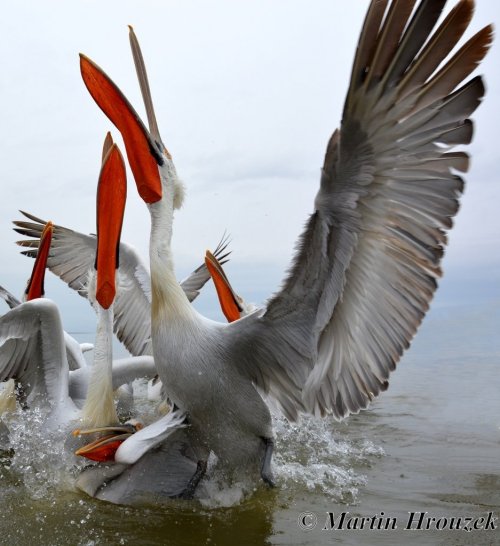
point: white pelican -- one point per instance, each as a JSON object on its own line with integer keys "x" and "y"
{"x": 234, "y": 308}
{"x": 369, "y": 257}
{"x": 32, "y": 343}
{"x": 33, "y": 349}
{"x": 99, "y": 412}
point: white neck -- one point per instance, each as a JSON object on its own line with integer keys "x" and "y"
{"x": 99, "y": 408}
{"x": 168, "y": 299}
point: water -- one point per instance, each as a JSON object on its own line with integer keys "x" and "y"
{"x": 431, "y": 443}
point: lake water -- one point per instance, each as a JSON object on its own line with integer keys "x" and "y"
{"x": 431, "y": 444}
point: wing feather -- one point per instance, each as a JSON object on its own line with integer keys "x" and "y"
{"x": 9, "y": 299}
{"x": 72, "y": 257}
{"x": 32, "y": 351}
{"x": 367, "y": 264}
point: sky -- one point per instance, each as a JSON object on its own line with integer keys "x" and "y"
{"x": 246, "y": 95}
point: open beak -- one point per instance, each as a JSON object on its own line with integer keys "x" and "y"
{"x": 143, "y": 151}
{"x": 111, "y": 197}
{"x": 35, "y": 288}
{"x": 228, "y": 299}
{"x": 104, "y": 448}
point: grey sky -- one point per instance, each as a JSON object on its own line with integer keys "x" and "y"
{"x": 247, "y": 94}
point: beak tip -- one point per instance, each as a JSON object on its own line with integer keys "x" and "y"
{"x": 148, "y": 194}
{"x": 105, "y": 295}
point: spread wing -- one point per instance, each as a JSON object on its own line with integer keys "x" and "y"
{"x": 368, "y": 261}
{"x": 32, "y": 350}
{"x": 72, "y": 256}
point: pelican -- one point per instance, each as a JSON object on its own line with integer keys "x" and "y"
{"x": 98, "y": 413}
{"x": 32, "y": 342}
{"x": 367, "y": 263}
{"x": 23, "y": 355}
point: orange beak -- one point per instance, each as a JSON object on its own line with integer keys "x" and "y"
{"x": 108, "y": 142}
{"x": 142, "y": 151}
{"x": 111, "y": 197}
{"x": 228, "y": 299}
{"x": 103, "y": 449}
{"x": 35, "y": 288}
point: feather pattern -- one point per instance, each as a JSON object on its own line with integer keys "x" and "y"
{"x": 9, "y": 298}
{"x": 32, "y": 351}
{"x": 74, "y": 351}
{"x": 367, "y": 264}
{"x": 441, "y": 43}
{"x": 72, "y": 257}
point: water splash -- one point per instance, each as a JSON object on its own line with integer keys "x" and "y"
{"x": 41, "y": 457}
{"x": 314, "y": 455}
{"x": 318, "y": 456}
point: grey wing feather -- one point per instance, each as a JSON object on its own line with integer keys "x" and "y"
{"x": 9, "y": 299}
{"x": 72, "y": 257}
{"x": 125, "y": 370}
{"x": 199, "y": 277}
{"x": 32, "y": 350}
{"x": 74, "y": 350}
{"x": 368, "y": 262}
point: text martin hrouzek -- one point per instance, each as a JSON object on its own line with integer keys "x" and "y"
{"x": 416, "y": 521}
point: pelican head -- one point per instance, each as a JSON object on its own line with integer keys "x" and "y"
{"x": 104, "y": 448}
{"x": 151, "y": 162}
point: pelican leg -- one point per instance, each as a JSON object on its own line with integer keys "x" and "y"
{"x": 194, "y": 481}
{"x": 266, "y": 472}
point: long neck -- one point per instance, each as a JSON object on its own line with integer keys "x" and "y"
{"x": 168, "y": 299}
{"x": 99, "y": 408}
